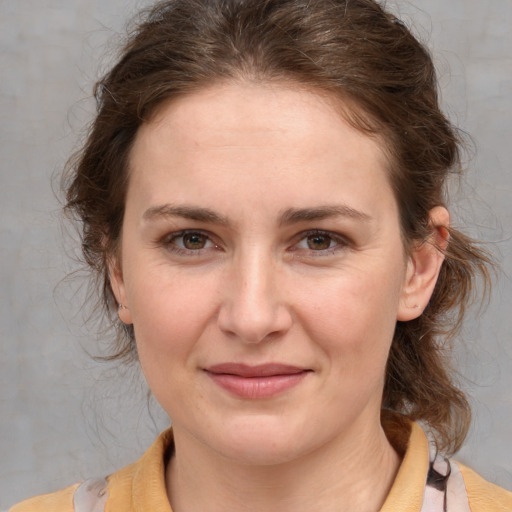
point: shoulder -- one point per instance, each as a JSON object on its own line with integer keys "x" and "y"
{"x": 120, "y": 489}
{"x": 88, "y": 496}
{"x": 427, "y": 481}
{"x": 61, "y": 501}
{"x": 484, "y": 496}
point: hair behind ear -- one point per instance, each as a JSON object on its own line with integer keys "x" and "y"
{"x": 419, "y": 377}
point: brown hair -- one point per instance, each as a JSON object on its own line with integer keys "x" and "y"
{"x": 352, "y": 49}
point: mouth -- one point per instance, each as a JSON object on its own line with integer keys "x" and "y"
{"x": 256, "y": 382}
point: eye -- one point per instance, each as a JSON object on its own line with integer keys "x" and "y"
{"x": 320, "y": 242}
{"x": 189, "y": 241}
{"x": 194, "y": 241}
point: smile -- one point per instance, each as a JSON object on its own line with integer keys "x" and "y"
{"x": 256, "y": 382}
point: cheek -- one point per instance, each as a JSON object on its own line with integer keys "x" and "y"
{"x": 353, "y": 319}
{"x": 171, "y": 315}
{"x": 170, "y": 311}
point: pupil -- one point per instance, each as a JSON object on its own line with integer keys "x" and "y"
{"x": 319, "y": 242}
{"x": 194, "y": 241}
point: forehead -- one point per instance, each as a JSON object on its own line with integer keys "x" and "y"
{"x": 255, "y": 108}
{"x": 257, "y": 137}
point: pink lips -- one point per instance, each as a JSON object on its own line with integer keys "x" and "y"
{"x": 253, "y": 382}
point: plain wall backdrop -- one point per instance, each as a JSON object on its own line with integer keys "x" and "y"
{"x": 64, "y": 417}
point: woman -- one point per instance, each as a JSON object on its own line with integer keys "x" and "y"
{"x": 262, "y": 198}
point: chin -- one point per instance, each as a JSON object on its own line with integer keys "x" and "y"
{"x": 263, "y": 442}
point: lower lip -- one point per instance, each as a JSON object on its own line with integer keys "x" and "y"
{"x": 257, "y": 387}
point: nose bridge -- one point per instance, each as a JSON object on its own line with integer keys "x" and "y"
{"x": 253, "y": 308}
{"x": 254, "y": 281}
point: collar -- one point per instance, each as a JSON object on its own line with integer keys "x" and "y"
{"x": 141, "y": 486}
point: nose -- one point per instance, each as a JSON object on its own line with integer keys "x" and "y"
{"x": 253, "y": 307}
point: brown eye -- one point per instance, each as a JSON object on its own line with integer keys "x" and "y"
{"x": 319, "y": 242}
{"x": 194, "y": 241}
{"x": 189, "y": 243}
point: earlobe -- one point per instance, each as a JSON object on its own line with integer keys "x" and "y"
{"x": 423, "y": 267}
{"x": 119, "y": 290}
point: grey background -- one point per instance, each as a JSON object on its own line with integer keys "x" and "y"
{"x": 64, "y": 417}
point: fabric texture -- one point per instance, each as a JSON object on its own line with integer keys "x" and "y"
{"x": 426, "y": 482}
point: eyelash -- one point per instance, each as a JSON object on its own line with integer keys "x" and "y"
{"x": 169, "y": 242}
{"x": 340, "y": 243}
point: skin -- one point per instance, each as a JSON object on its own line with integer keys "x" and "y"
{"x": 299, "y": 261}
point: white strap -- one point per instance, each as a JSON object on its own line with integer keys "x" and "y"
{"x": 457, "y": 495}
{"x": 445, "y": 490}
{"x": 91, "y": 496}
{"x": 434, "y": 498}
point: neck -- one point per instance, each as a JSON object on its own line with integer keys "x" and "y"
{"x": 352, "y": 473}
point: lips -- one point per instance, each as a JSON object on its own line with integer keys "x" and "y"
{"x": 262, "y": 370}
{"x": 256, "y": 382}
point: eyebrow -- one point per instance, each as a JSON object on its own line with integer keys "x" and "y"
{"x": 196, "y": 213}
{"x": 295, "y": 215}
{"x": 289, "y": 216}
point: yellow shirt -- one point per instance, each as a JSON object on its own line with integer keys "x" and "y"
{"x": 140, "y": 487}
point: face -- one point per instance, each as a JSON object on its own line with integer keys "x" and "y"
{"x": 263, "y": 270}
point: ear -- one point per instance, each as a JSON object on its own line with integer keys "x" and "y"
{"x": 119, "y": 289}
{"x": 423, "y": 267}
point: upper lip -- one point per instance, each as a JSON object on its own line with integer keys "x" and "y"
{"x": 260, "y": 370}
